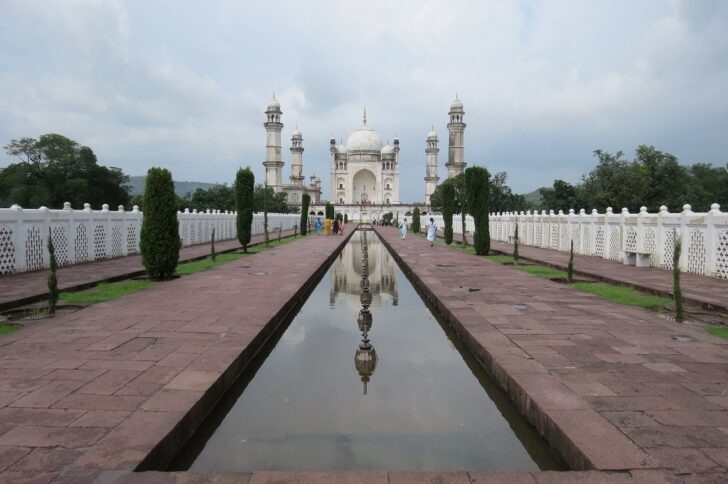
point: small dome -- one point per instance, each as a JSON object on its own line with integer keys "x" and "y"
{"x": 432, "y": 135}
{"x": 296, "y": 134}
{"x": 456, "y": 104}
{"x": 388, "y": 150}
{"x": 364, "y": 139}
{"x": 342, "y": 149}
{"x": 273, "y": 105}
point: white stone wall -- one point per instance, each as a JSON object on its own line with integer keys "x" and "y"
{"x": 90, "y": 235}
{"x": 608, "y": 235}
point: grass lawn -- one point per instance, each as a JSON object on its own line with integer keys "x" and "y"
{"x": 624, "y": 295}
{"x": 105, "y": 291}
{"x": 501, "y": 259}
{"x": 720, "y": 331}
{"x": 542, "y": 271}
{"x": 6, "y": 328}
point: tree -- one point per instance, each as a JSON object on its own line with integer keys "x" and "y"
{"x": 329, "y": 210}
{"x": 54, "y": 169}
{"x": 477, "y": 189}
{"x": 267, "y": 198}
{"x": 213, "y": 255}
{"x": 416, "y": 220}
{"x": 561, "y": 197}
{"x": 218, "y": 197}
{"x": 447, "y": 191}
{"x": 160, "y": 242}
{"x": 244, "y": 181}
{"x": 305, "y": 200}
{"x": 52, "y": 278}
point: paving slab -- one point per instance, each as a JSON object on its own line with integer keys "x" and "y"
{"x": 28, "y": 287}
{"x": 611, "y": 387}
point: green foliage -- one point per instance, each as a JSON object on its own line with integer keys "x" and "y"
{"x": 542, "y": 271}
{"x": 106, "y": 291}
{"x": 416, "y": 220}
{"x": 500, "y": 196}
{"x": 447, "y": 191}
{"x": 265, "y": 227}
{"x": 720, "y": 331}
{"x": 305, "y": 202}
{"x": 6, "y": 328}
{"x": 218, "y": 197}
{"x": 387, "y": 218}
{"x": 160, "y": 242}
{"x": 561, "y": 197}
{"x": 329, "y": 211}
{"x": 676, "y": 290}
{"x": 212, "y": 246}
{"x": 346, "y": 218}
{"x": 477, "y": 188}
{"x": 54, "y": 169}
{"x": 570, "y": 267}
{"x": 52, "y": 279}
{"x": 501, "y": 259}
{"x": 515, "y": 245}
{"x": 266, "y": 199}
{"x": 623, "y": 295}
{"x": 244, "y": 182}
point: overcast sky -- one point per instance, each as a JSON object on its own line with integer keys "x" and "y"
{"x": 183, "y": 84}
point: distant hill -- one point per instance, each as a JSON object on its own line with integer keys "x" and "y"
{"x": 182, "y": 188}
{"x": 533, "y": 197}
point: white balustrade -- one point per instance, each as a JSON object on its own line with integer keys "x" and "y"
{"x": 608, "y": 235}
{"x": 89, "y": 235}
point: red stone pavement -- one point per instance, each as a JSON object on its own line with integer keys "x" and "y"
{"x": 86, "y": 397}
{"x": 612, "y": 387}
{"x": 28, "y": 287}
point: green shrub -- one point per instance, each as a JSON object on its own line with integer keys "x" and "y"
{"x": 329, "y": 211}
{"x": 416, "y": 220}
{"x": 570, "y": 267}
{"x": 305, "y": 201}
{"x": 212, "y": 246}
{"x": 448, "y": 207}
{"x": 244, "y": 200}
{"x": 477, "y": 192}
{"x": 676, "y": 289}
{"x": 346, "y": 218}
{"x": 515, "y": 245}
{"x": 160, "y": 242}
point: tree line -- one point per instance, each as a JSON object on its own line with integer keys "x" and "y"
{"x": 652, "y": 178}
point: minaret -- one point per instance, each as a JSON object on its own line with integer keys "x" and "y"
{"x": 297, "y": 177}
{"x": 431, "y": 177}
{"x": 273, "y": 127}
{"x": 456, "y": 146}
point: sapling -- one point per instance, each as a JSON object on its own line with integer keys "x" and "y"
{"x": 280, "y": 229}
{"x": 570, "y": 267}
{"x": 515, "y": 245}
{"x": 676, "y": 290}
{"x": 212, "y": 246}
{"x": 52, "y": 280}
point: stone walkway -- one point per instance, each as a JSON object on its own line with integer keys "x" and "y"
{"x": 89, "y": 396}
{"x": 697, "y": 289}
{"x": 613, "y": 387}
{"x": 30, "y": 287}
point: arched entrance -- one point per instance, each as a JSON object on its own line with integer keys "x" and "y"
{"x": 365, "y": 187}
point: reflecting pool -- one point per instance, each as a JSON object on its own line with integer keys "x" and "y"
{"x": 365, "y": 377}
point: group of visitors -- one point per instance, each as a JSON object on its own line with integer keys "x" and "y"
{"x": 337, "y": 227}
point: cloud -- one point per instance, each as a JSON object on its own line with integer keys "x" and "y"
{"x": 544, "y": 83}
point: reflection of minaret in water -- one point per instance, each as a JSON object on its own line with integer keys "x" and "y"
{"x": 365, "y": 359}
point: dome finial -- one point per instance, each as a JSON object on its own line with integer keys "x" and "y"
{"x": 364, "y": 117}
{"x": 274, "y": 94}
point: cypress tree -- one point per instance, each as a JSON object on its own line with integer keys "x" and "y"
{"x": 244, "y": 181}
{"x": 329, "y": 211}
{"x": 416, "y": 220}
{"x": 305, "y": 201}
{"x": 676, "y": 289}
{"x": 448, "y": 207}
{"x": 52, "y": 279}
{"x": 515, "y": 244}
{"x": 477, "y": 192}
{"x": 160, "y": 242}
{"x": 346, "y": 218}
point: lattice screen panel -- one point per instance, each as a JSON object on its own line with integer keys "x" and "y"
{"x": 721, "y": 255}
{"x": 669, "y": 249}
{"x": 81, "y": 243}
{"x": 116, "y": 241}
{"x": 650, "y": 244}
{"x": 100, "y": 242}
{"x": 60, "y": 244}
{"x": 131, "y": 240}
{"x": 34, "y": 249}
{"x": 7, "y": 250}
{"x": 615, "y": 244}
{"x": 696, "y": 252}
{"x": 630, "y": 242}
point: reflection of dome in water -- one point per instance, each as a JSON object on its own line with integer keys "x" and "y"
{"x": 364, "y": 320}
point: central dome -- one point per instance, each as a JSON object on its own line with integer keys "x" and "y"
{"x": 364, "y": 139}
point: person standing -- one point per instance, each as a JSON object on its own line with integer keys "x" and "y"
{"x": 317, "y": 226}
{"x": 403, "y": 228}
{"x": 335, "y": 231}
{"x": 431, "y": 232}
{"x": 341, "y": 226}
